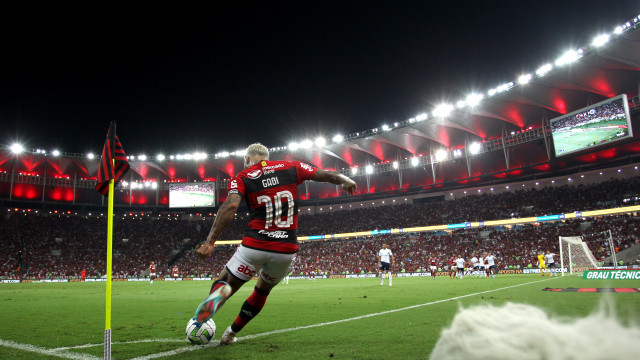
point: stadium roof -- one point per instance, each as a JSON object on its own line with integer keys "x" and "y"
{"x": 515, "y": 111}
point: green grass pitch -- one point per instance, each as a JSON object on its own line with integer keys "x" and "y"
{"x": 149, "y": 320}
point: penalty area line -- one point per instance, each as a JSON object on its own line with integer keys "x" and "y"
{"x": 248, "y": 337}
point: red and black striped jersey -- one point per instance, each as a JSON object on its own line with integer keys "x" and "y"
{"x": 152, "y": 268}
{"x": 270, "y": 190}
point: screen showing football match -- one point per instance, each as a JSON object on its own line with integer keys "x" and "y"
{"x": 191, "y": 195}
{"x": 596, "y": 125}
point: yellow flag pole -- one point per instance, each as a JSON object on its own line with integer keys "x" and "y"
{"x": 107, "y": 320}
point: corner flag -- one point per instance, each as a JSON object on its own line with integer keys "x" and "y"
{"x": 114, "y": 164}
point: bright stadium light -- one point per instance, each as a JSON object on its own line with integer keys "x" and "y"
{"x": 505, "y": 87}
{"x": 415, "y": 161}
{"x": 154, "y": 185}
{"x": 160, "y": 157}
{"x": 395, "y": 164}
{"x": 568, "y": 57}
{"x": 600, "y": 40}
{"x": 474, "y": 99}
{"x": 385, "y": 127}
{"x": 354, "y": 171}
{"x": 172, "y": 157}
{"x": 16, "y": 148}
{"x": 474, "y": 148}
{"x": 306, "y": 144}
{"x": 142, "y": 157}
{"x": 293, "y": 146}
{"x": 422, "y": 117}
{"x": 320, "y": 141}
{"x": 442, "y": 110}
{"x": 338, "y": 138}
{"x": 461, "y": 103}
{"x": 368, "y": 169}
{"x": 147, "y": 184}
{"x": 524, "y": 79}
{"x": 56, "y": 152}
{"x": 618, "y": 30}
{"x": 441, "y": 155}
{"x": 492, "y": 92}
{"x": 90, "y": 156}
{"x": 544, "y": 69}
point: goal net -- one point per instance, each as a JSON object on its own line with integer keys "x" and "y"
{"x": 575, "y": 255}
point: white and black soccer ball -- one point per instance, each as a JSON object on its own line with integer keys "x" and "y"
{"x": 200, "y": 333}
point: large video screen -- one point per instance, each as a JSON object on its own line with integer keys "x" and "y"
{"x": 596, "y": 125}
{"x": 191, "y": 195}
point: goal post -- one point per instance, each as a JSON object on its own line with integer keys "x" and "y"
{"x": 575, "y": 255}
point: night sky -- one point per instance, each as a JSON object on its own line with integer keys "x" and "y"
{"x": 201, "y": 79}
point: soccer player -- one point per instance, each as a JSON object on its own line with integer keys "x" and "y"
{"x": 481, "y": 265}
{"x": 83, "y": 274}
{"x": 452, "y": 267}
{"x": 174, "y": 273}
{"x": 270, "y": 190}
{"x": 385, "y": 262}
{"x": 433, "y": 267}
{"x": 152, "y": 272}
{"x": 491, "y": 264}
{"x": 460, "y": 266}
{"x": 549, "y": 258}
{"x": 474, "y": 263}
{"x": 541, "y": 264}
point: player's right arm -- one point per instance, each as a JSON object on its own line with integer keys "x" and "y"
{"x": 335, "y": 178}
{"x": 225, "y": 215}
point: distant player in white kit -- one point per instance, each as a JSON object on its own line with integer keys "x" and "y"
{"x": 385, "y": 262}
{"x": 474, "y": 263}
{"x": 490, "y": 259}
{"x": 551, "y": 262}
{"x": 459, "y": 266}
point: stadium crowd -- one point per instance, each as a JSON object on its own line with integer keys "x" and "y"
{"x": 61, "y": 246}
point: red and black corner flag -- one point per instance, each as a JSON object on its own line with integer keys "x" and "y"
{"x": 108, "y": 170}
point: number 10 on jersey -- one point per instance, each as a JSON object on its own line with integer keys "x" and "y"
{"x": 278, "y": 200}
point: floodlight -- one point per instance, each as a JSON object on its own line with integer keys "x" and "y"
{"x": 504, "y": 87}
{"x": 412, "y": 120}
{"x": 422, "y": 117}
{"x": 154, "y": 185}
{"x": 17, "y": 148}
{"x": 395, "y": 164}
{"x": 90, "y": 156}
{"x": 441, "y": 155}
{"x": 368, "y": 169}
{"x": 147, "y": 184}
{"x": 474, "y": 148}
{"x": 474, "y": 99}
{"x": 524, "y": 79}
{"x": 306, "y": 144}
{"x": 320, "y": 141}
{"x": 618, "y": 30}
{"x": 338, "y": 138}
{"x": 415, "y": 161}
{"x": 568, "y": 57}
{"x": 142, "y": 157}
{"x": 172, "y": 157}
{"x": 544, "y": 69}
{"x": 461, "y": 104}
{"x": 600, "y": 40}
{"x": 55, "y": 152}
{"x": 442, "y": 110}
{"x": 385, "y": 127}
{"x": 354, "y": 171}
{"x": 492, "y": 92}
{"x": 293, "y": 146}
{"x": 160, "y": 157}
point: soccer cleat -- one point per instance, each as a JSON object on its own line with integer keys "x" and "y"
{"x": 228, "y": 337}
{"x": 210, "y": 305}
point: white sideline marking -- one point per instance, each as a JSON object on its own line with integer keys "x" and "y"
{"x": 216, "y": 343}
{"x": 44, "y": 351}
{"x": 118, "y": 343}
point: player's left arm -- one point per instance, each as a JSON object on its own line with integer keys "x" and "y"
{"x": 335, "y": 178}
{"x": 225, "y": 215}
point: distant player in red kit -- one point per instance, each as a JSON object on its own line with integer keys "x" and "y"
{"x": 174, "y": 272}
{"x": 152, "y": 272}
{"x": 452, "y": 267}
{"x": 433, "y": 267}
{"x": 270, "y": 190}
{"x": 83, "y": 274}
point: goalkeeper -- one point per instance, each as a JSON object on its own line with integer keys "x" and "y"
{"x": 542, "y": 265}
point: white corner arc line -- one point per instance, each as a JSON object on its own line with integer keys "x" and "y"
{"x": 216, "y": 343}
{"x": 44, "y": 351}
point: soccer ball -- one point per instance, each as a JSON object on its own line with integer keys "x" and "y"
{"x": 200, "y": 333}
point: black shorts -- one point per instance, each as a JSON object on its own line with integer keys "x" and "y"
{"x": 492, "y": 267}
{"x": 385, "y": 266}
{"x": 461, "y": 269}
{"x": 476, "y": 267}
{"x": 551, "y": 265}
